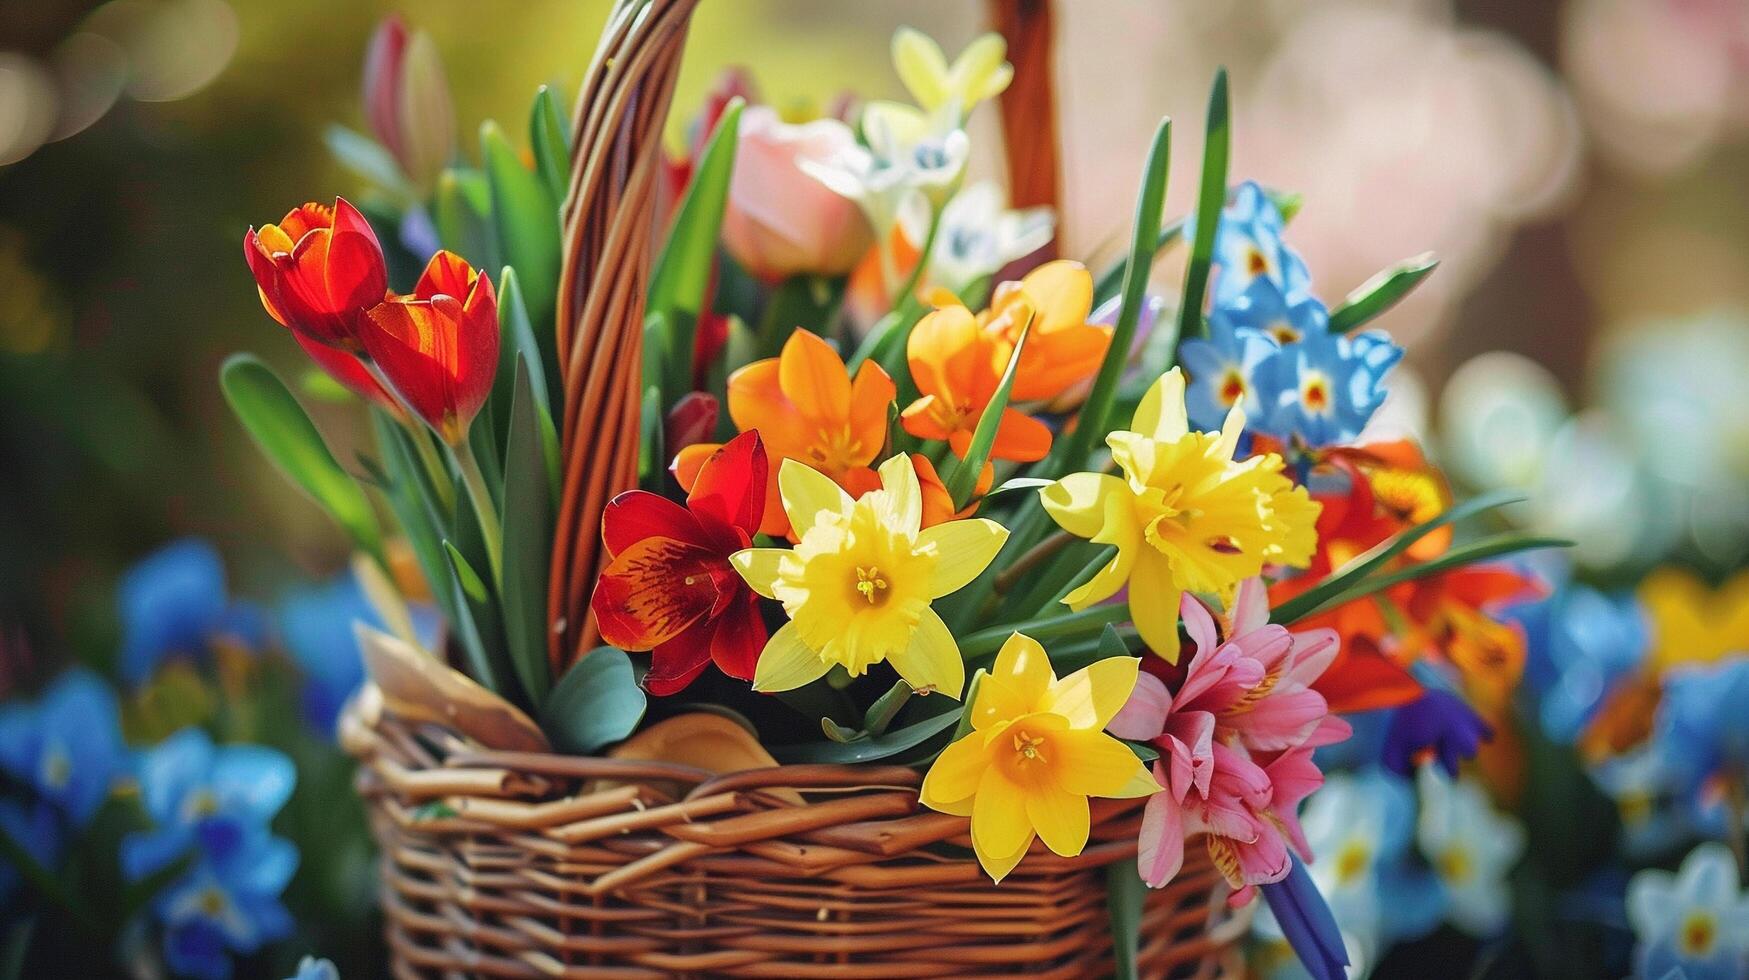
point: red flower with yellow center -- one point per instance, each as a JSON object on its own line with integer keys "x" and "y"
{"x": 318, "y": 271}
{"x": 669, "y": 587}
{"x": 439, "y": 346}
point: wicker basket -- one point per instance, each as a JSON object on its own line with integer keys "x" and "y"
{"x": 531, "y": 864}
{"x": 516, "y": 864}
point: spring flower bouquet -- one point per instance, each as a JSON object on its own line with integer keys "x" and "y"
{"x": 901, "y": 492}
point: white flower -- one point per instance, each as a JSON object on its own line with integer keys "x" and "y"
{"x": 906, "y": 154}
{"x": 1695, "y": 920}
{"x": 979, "y": 235}
{"x": 1471, "y": 848}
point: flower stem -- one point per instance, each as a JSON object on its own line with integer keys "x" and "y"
{"x": 484, "y": 509}
{"x": 435, "y": 471}
{"x": 1027, "y": 562}
{"x": 984, "y": 643}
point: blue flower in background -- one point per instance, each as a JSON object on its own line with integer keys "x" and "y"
{"x": 226, "y": 905}
{"x": 36, "y": 829}
{"x": 310, "y": 968}
{"x": 1222, "y": 368}
{"x": 1655, "y": 813}
{"x": 316, "y": 625}
{"x": 1265, "y": 309}
{"x": 1323, "y": 389}
{"x": 67, "y": 746}
{"x": 1578, "y": 644}
{"x": 1249, "y": 247}
{"x": 213, "y": 804}
{"x": 1471, "y": 848}
{"x": 1702, "y": 724}
{"x": 1439, "y": 722}
{"x": 173, "y": 603}
{"x": 1695, "y": 921}
{"x": 214, "y": 800}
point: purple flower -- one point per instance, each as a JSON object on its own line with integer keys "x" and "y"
{"x": 1440, "y": 723}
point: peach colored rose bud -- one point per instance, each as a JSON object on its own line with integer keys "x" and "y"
{"x": 780, "y": 221}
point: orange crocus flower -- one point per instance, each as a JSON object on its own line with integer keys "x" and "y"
{"x": 957, "y": 367}
{"x": 1063, "y": 349}
{"x": 806, "y": 408}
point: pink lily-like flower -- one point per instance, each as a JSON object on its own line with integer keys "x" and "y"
{"x": 1236, "y": 743}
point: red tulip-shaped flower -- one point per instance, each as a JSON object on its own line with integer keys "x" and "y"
{"x": 669, "y": 588}
{"x": 319, "y": 270}
{"x": 351, "y": 372}
{"x": 439, "y": 346}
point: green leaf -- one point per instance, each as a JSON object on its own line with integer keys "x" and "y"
{"x": 886, "y": 707}
{"x": 985, "y": 642}
{"x": 368, "y": 159}
{"x": 652, "y": 469}
{"x": 597, "y": 702}
{"x": 1068, "y": 658}
{"x": 519, "y": 341}
{"x": 1143, "y": 751}
{"x": 1019, "y": 483}
{"x": 1124, "y": 893}
{"x": 1344, "y": 578}
{"x": 1381, "y": 292}
{"x": 1211, "y": 198}
{"x": 551, "y": 138}
{"x": 473, "y": 586}
{"x": 528, "y": 531}
{"x": 416, "y": 510}
{"x": 682, "y": 274}
{"x": 962, "y": 481}
{"x": 1469, "y": 554}
{"x": 838, "y": 733}
{"x": 868, "y": 749}
{"x": 461, "y": 208}
{"x": 288, "y": 437}
{"x": 526, "y": 216}
{"x": 1071, "y": 451}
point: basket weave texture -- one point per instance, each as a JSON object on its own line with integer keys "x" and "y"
{"x": 508, "y": 864}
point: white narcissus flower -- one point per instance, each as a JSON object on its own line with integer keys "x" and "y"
{"x": 1694, "y": 922}
{"x": 907, "y": 153}
{"x": 979, "y": 235}
{"x": 1471, "y": 847}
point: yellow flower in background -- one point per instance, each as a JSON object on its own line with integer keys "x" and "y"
{"x": 1692, "y": 623}
{"x": 858, "y": 584}
{"x": 1037, "y": 750}
{"x": 980, "y": 72}
{"x": 1185, "y": 516}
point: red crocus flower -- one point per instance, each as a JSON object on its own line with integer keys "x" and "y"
{"x": 439, "y": 346}
{"x": 669, "y": 587}
{"x": 318, "y": 271}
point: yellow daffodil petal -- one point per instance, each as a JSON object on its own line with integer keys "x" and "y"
{"x": 806, "y": 492}
{"x": 955, "y": 774}
{"x": 1023, "y": 667}
{"x": 999, "y": 867}
{"x": 981, "y": 71}
{"x": 963, "y": 549}
{"x": 1092, "y": 695}
{"x": 1060, "y": 817}
{"x": 759, "y": 567}
{"x": 931, "y": 661}
{"x": 1231, "y": 430}
{"x": 1100, "y": 765}
{"x": 922, "y": 66}
{"x": 903, "y": 503}
{"x": 1161, "y": 412}
{"x": 1077, "y": 501}
{"x": 1000, "y": 828}
{"x": 786, "y": 663}
{"x": 1154, "y": 599}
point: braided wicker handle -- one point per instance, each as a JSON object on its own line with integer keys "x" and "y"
{"x": 616, "y": 148}
{"x": 608, "y": 245}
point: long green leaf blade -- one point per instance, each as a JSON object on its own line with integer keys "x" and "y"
{"x": 551, "y": 138}
{"x": 526, "y": 216}
{"x": 1492, "y": 547}
{"x": 1096, "y": 412}
{"x": 1381, "y": 292}
{"x": 279, "y": 426}
{"x": 528, "y": 529}
{"x": 1211, "y": 198}
{"x": 872, "y": 748}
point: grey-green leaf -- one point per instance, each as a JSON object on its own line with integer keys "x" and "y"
{"x": 528, "y": 530}
{"x": 597, "y": 702}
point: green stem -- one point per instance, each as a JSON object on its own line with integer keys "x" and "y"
{"x": 483, "y": 509}
{"x": 435, "y": 471}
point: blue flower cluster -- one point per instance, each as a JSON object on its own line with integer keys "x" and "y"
{"x": 1270, "y": 350}
{"x": 174, "y": 604}
{"x": 211, "y": 806}
{"x": 65, "y": 753}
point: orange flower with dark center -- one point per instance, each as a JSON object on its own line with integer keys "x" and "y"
{"x": 669, "y": 587}
{"x": 439, "y": 346}
{"x": 318, "y": 271}
{"x": 807, "y": 408}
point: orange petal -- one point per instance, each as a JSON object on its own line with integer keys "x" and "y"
{"x": 1061, "y": 292}
{"x": 921, "y": 420}
{"x": 1052, "y": 362}
{"x": 814, "y": 379}
{"x": 1021, "y": 438}
{"x": 689, "y": 461}
{"x": 653, "y": 590}
{"x": 871, "y": 397}
{"x": 936, "y": 342}
{"x": 757, "y": 401}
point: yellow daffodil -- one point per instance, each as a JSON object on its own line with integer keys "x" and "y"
{"x": 980, "y": 72}
{"x": 1037, "y": 750}
{"x": 859, "y": 583}
{"x": 1185, "y": 516}
{"x": 1692, "y": 623}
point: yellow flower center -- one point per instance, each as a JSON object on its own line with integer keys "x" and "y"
{"x": 870, "y": 584}
{"x": 212, "y": 903}
{"x": 1455, "y": 865}
{"x": 1284, "y": 333}
{"x": 1315, "y": 393}
{"x": 1232, "y": 387}
{"x": 1256, "y": 263}
{"x": 1352, "y": 861}
{"x": 1699, "y": 933}
{"x": 835, "y": 449}
{"x": 1028, "y": 748}
{"x": 57, "y": 768}
{"x": 1635, "y": 806}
